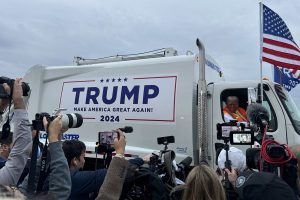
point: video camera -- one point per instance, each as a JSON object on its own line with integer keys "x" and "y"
{"x": 272, "y": 157}
{"x": 235, "y": 132}
{"x": 71, "y": 120}
{"x": 273, "y": 151}
{"x": 10, "y": 83}
{"x": 156, "y": 159}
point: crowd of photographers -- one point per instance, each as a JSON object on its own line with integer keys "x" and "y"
{"x": 54, "y": 170}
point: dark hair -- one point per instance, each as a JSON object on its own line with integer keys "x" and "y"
{"x": 7, "y": 140}
{"x": 73, "y": 149}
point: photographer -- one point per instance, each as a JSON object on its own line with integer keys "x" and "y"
{"x": 59, "y": 177}
{"x": 86, "y": 184}
{"x": 237, "y": 160}
{"x": 22, "y": 141}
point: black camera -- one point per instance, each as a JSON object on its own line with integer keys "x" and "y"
{"x": 285, "y": 166}
{"x": 10, "y": 82}
{"x": 274, "y": 151}
{"x": 224, "y": 129}
{"x": 71, "y": 120}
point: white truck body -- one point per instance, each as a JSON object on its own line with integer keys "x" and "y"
{"x": 156, "y": 96}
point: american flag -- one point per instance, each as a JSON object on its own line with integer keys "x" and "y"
{"x": 279, "y": 47}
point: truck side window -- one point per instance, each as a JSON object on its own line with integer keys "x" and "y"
{"x": 234, "y": 105}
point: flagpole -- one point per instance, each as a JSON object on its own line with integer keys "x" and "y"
{"x": 260, "y": 58}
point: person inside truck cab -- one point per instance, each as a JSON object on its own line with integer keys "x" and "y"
{"x": 232, "y": 111}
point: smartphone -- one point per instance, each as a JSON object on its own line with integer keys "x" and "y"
{"x": 242, "y": 137}
{"x": 107, "y": 137}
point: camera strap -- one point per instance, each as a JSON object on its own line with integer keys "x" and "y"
{"x": 44, "y": 171}
{"x": 33, "y": 160}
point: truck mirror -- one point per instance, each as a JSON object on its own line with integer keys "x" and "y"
{"x": 252, "y": 95}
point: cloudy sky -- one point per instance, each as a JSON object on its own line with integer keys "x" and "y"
{"x": 52, "y": 32}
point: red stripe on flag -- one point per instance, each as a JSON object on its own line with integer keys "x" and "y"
{"x": 282, "y": 64}
{"x": 281, "y": 54}
{"x": 280, "y": 44}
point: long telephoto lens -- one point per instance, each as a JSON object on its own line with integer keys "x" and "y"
{"x": 71, "y": 120}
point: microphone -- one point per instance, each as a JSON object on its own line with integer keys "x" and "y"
{"x": 185, "y": 163}
{"x": 127, "y": 129}
{"x": 258, "y": 114}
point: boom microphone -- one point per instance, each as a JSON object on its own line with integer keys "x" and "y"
{"x": 258, "y": 114}
{"x": 127, "y": 129}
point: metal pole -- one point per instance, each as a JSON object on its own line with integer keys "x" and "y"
{"x": 202, "y": 107}
{"x": 261, "y": 46}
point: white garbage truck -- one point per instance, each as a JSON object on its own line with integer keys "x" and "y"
{"x": 158, "y": 94}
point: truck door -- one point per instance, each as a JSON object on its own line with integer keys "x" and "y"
{"x": 223, "y": 97}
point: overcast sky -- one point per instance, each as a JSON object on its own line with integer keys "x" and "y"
{"x": 52, "y": 32}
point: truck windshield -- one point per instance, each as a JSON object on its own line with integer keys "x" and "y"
{"x": 289, "y": 106}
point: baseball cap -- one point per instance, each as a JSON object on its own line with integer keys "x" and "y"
{"x": 262, "y": 185}
{"x": 236, "y": 156}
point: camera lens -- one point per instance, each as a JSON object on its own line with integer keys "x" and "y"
{"x": 71, "y": 120}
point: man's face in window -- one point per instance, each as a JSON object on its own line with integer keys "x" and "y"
{"x": 232, "y": 104}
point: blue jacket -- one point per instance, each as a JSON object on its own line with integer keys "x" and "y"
{"x": 86, "y": 182}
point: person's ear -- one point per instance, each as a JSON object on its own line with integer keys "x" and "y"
{"x": 74, "y": 162}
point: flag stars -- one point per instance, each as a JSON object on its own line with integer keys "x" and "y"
{"x": 274, "y": 25}
{"x": 113, "y": 80}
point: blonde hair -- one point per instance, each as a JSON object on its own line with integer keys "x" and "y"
{"x": 203, "y": 184}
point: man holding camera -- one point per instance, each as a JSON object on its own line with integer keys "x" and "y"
{"x": 22, "y": 139}
{"x": 59, "y": 181}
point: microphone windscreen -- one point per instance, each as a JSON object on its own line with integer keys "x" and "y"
{"x": 127, "y": 129}
{"x": 255, "y": 110}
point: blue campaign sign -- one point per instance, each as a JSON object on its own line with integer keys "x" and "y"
{"x": 285, "y": 77}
